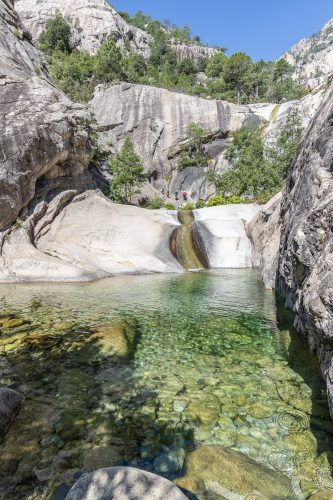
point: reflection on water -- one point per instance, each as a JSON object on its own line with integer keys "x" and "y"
{"x": 142, "y": 370}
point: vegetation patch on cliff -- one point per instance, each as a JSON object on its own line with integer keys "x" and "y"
{"x": 236, "y": 78}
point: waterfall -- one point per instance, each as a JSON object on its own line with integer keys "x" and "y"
{"x": 183, "y": 245}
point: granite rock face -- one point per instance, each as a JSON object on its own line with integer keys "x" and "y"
{"x": 44, "y": 135}
{"x": 193, "y": 51}
{"x": 124, "y": 483}
{"x": 157, "y": 121}
{"x": 299, "y": 263}
{"x": 305, "y": 271}
{"x": 264, "y": 231}
{"x": 93, "y": 22}
{"x": 312, "y": 57}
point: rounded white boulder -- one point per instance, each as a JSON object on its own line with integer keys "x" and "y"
{"x": 124, "y": 483}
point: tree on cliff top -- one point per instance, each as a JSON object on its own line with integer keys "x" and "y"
{"x": 127, "y": 170}
{"x": 56, "y": 35}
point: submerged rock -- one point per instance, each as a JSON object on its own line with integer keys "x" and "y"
{"x": 322, "y": 495}
{"x": 113, "y": 339}
{"x": 170, "y": 462}
{"x": 225, "y": 469}
{"x": 123, "y": 483}
{"x": 10, "y": 404}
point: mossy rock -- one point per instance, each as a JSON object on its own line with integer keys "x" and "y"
{"x": 192, "y": 484}
{"x": 302, "y": 442}
{"x": 99, "y": 457}
{"x": 113, "y": 339}
{"x": 5, "y": 319}
{"x": 13, "y": 323}
{"x": 322, "y": 495}
{"x": 204, "y": 415}
{"x": 236, "y": 473}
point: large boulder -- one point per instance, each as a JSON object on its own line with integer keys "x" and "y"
{"x": 227, "y": 473}
{"x": 10, "y": 404}
{"x": 124, "y": 483}
{"x": 86, "y": 236}
{"x": 44, "y": 135}
{"x": 219, "y": 233}
{"x": 264, "y": 231}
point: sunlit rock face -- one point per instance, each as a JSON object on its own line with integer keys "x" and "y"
{"x": 157, "y": 121}
{"x": 93, "y": 22}
{"x": 220, "y": 234}
{"x": 264, "y": 231}
{"x": 312, "y": 57}
{"x": 89, "y": 238}
{"x": 43, "y": 134}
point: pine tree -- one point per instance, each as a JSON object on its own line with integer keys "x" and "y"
{"x": 127, "y": 170}
{"x": 56, "y": 35}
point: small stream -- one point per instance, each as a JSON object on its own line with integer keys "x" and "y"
{"x": 142, "y": 370}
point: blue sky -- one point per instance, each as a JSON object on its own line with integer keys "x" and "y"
{"x": 262, "y": 28}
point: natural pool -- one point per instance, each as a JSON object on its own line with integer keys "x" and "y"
{"x": 143, "y": 370}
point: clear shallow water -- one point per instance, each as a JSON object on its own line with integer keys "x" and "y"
{"x": 142, "y": 370}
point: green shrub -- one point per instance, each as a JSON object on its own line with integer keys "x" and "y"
{"x": 187, "y": 206}
{"x": 170, "y": 206}
{"x": 264, "y": 197}
{"x": 215, "y": 201}
{"x": 200, "y": 204}
{"x": 155, "y": 203}
{"x": 234, "y": 200}
{"x": 108, "y": 62}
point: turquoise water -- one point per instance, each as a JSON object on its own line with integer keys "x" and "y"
{"x": 143, "y": 370}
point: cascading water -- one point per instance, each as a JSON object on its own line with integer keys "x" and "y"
{"x": 182, "y": 243}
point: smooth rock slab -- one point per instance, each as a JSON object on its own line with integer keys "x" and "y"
{"x": 123, "y": 483}
{"x": 219, "y": 233}
{"x": 231, "y": 473}
{"x": 10, "y": 404}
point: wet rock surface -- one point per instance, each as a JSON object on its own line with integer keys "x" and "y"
{"x": 228, "y": 472}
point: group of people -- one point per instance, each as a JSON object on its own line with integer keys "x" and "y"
{"x": 184, "y": 196}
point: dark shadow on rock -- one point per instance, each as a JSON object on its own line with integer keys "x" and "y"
{"x": 305, "y": 362}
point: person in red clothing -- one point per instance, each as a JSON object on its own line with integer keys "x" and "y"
{"x": 185, "y": 196}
